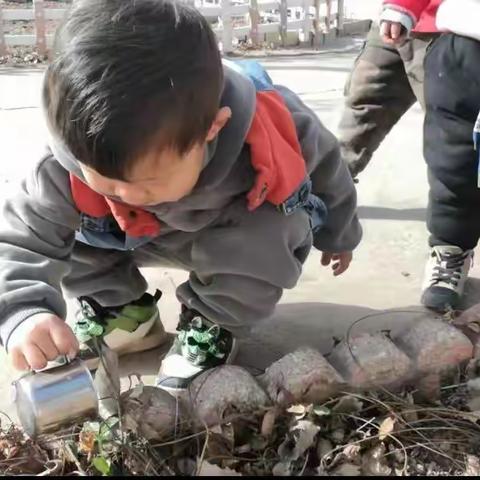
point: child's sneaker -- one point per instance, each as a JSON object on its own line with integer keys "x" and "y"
{"x": 199, "y": 345}
{"x": 445, "y": 276}
{"x": 130, "y": 328}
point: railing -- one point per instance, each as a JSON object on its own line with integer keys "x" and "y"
{"x": 232, "y": 21}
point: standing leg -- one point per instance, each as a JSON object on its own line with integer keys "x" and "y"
{"x": 452, "y": 96}
{"x": 378, "y": 93}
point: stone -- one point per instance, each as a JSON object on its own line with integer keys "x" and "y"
{"x": 150, "y": 412}
{"x": 227, "y": 388}
{"x": 468, "y": 322}
{"x": 303, "y": 376}
{"x": 370, "y": 360}
{"x": 434, "y": 345}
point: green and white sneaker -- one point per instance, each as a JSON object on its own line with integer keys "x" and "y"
{"x": 130, "y": 328}
{"x": 199, "y": 346}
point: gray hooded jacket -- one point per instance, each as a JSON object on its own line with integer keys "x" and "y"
{"x": 203, "y": 232}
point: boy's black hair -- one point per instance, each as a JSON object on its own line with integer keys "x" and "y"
{"x": 131, "y": 75}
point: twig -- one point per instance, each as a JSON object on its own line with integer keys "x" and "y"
{"x": 302, "y": 471}
{"x": 51, "y": 470}
{"x": 204, "y": 451}
{"x": 179, "y": 440}
{"x": 7, "y": 417}
{"x": 75, "y": 459}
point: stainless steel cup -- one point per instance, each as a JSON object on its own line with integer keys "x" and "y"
{"x": 55, "y": 397}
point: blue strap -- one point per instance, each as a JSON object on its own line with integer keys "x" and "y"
{"x": 254, "y": 71}
{"x": 476, "y": 143}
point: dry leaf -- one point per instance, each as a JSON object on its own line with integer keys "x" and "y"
{"x": 347, "y": 470}
{"x": 305, "y": 433}
{"x": 87, "y": 441}
{"x": 352, "y": 452}
{"x": 216, "y": 429}
{"x": 348, "y": 404}
{"x": 321, "y": 411}
{"x": 473, "y": 417}
{"x": 298, "y": 410}
{"x": 375, "y": 463}
{"x": 473, "y": 385}
{"x": 282, "y": 469}
{"x": 386, "y": 428}
{"x": 473, "y": 466}
{"x": 209, "y": 470}
{"x": 298, "y": 441}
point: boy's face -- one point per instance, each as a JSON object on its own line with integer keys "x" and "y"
{"x": 158, "y": 176}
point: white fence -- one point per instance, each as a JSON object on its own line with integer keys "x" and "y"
{"x": 253, "y": 21}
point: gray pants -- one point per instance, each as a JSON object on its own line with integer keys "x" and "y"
{"x": 384, "y": 83}
{"x": 238, "y": 267}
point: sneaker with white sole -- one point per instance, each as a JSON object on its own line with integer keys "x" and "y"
{"x": 134, "y": 327}
{"x": 445, "y": 275}
{"x": 200, "y": 345}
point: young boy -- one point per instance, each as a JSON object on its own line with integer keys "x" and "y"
{"x": 160, "y": 155}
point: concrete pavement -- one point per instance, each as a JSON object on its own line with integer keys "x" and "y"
{"x": 388, "y": 265}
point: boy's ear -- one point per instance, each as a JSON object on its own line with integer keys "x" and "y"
{"x": 223, "y": 116}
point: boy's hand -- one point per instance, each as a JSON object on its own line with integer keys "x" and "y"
{"x": 40, "y": 339}
{"x": 393, "y": 33}
{"x": 341, "y": 261}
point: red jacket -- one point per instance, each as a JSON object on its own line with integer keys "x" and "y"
{"x": 422, "y": 12}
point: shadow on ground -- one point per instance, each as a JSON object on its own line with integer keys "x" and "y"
{"x": 293, "y": 326}
{"x": 382, "y": 213}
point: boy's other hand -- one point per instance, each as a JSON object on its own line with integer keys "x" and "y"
{"x": 393, "y": 33}
{"x": 341, "y": 261}
{"x": 40, "y": 339}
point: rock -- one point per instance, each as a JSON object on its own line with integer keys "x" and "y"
{"x": 301, "y": 376}
{"x": 216, "y": 391}
{"x": 434, "y": 345}
{"x": 150, "y": 412}
{"x": 375, "y": 361}
{"x": 469, "y": 323}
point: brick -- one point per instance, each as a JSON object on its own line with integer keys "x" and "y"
{"x": 434, "y": 345}
{"x": 215, "y": 392}
{"x": 301, "y": 376}
{"x": 376, "y": 361}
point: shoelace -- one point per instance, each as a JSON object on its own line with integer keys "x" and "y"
{"x": 449, "y": 270}
{"x": 199, "y": 342}
{"x": 90, "y": 319}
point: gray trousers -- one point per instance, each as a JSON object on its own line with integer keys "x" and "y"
{"x": 384, "y": 83}
{"x": 238, "y": 267}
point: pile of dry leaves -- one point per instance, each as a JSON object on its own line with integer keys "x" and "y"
{"x": 352, "y": 434}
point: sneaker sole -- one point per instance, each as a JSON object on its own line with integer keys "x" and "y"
{"x": 181, "y": 393}
{"x": 156, "y": 337}
{"x": 439, "y": 302}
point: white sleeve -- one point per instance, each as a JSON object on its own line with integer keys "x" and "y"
{"x": 392, "y": 15}
{"x": 452, "y": 17}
